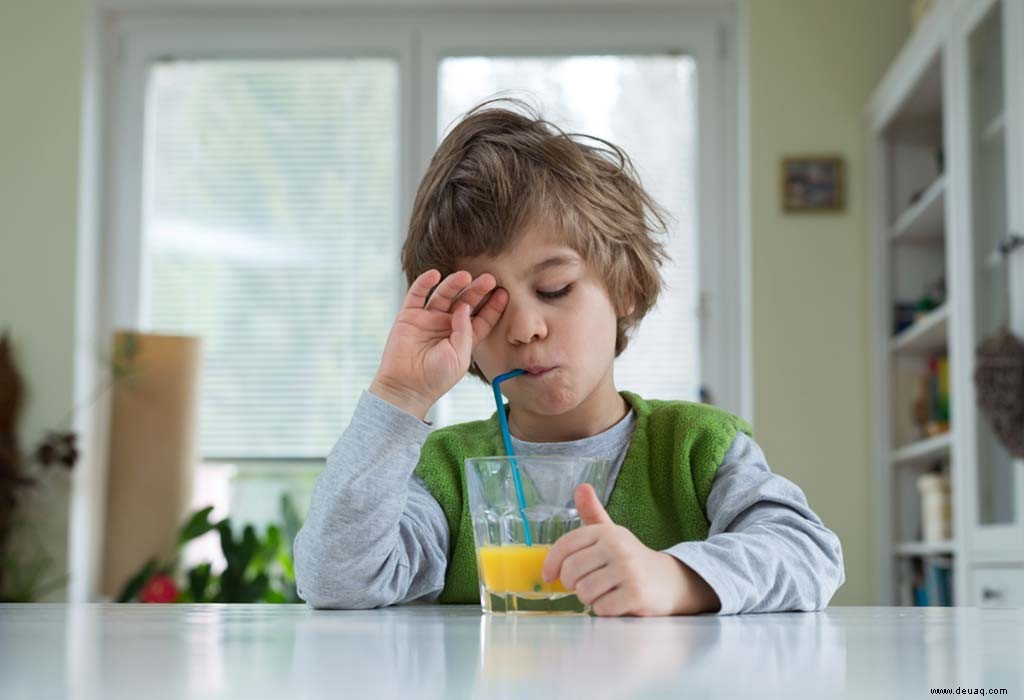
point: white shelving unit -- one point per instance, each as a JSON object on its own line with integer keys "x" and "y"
{"x": 922, "y": 222}
{"x": 924, "y": 549}
{"x": 946, "y": 127}
{"x": 930, "y": 449}
{"x": 926, "y": 335}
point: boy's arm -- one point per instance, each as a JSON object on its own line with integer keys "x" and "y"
{"x": 766, "y": 551}
{"x": 374, "y": 535}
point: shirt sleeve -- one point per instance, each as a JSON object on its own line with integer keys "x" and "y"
{"x": 766, "y": 551}
{"x": 374, "y": 535}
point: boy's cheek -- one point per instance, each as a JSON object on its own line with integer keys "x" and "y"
{"x": 485, "y": 358}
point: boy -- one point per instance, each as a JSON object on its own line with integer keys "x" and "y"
{"x": 530, "y": 249}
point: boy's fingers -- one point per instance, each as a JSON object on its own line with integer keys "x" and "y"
{"x": 444, "y": 295}
{"x": 462, "y": 330}
{"x": 567, "y": 545}
{"x": 487, "y": 317}
{"x": 595, "y": 584}
{"x": 477, "y": 290}
{"x": 581, "y": 565}
{"x": 614, "y": 603}
{"x": 416, "y": 298}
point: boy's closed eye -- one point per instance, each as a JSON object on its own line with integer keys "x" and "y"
{"x": 557, "y": 293}
{"x": 554, "y": 294}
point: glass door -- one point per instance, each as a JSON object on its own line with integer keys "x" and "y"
{"x": 996, "y": 302}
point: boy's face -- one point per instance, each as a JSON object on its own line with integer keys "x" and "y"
{"x": 559, "y": 324}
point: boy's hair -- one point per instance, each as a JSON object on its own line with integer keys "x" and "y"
{"x": 499, "y": 171}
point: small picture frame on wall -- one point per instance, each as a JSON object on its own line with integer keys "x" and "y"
{"x": 813, "y": 184}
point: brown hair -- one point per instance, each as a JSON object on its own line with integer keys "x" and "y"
{"x": 499, "y": 170}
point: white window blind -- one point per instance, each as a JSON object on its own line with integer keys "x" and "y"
{"x": 270, "y": 229}
{"x": 645, "y": 104}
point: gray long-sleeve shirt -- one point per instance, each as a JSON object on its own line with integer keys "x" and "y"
{"x": 375, "y": 536}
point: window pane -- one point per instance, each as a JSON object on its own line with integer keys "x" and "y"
{"x": 270, "y": 216}
{"x": 646, "y": 105}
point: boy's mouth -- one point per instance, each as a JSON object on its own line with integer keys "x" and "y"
{"x": 537, "y": 370}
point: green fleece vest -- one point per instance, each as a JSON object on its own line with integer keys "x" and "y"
{"x": 660, "y": 494}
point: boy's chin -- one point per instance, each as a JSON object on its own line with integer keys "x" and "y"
{"x": 549, "y": 403}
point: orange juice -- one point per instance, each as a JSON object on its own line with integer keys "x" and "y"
{"x": 516, "y": 569}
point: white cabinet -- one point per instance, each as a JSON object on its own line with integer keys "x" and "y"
{"x": 947, "y": 169}
{"x": 989, "y": 44}
{"x": 997, "y": 587}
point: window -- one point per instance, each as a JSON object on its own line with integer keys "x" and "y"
{"x": 269, "y": 225}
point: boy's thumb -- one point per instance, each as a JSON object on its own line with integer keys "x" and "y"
{"x": 589, "y": 506}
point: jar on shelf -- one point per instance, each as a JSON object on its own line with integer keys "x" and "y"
{"x": 936, "y": 507}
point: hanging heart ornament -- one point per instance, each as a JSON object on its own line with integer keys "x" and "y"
{"x": 999, "y": 387}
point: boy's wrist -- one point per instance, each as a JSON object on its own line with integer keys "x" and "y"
{"x": 696, "y": 595}
{"x": 400, "y": 398}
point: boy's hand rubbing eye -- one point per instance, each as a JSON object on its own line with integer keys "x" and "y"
{"x": 432, "y": 340}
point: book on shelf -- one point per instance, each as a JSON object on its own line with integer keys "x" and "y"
{"x": 938, "y": 376}
{"x": 929, "y": 583}
{"x": 931, "y": 409}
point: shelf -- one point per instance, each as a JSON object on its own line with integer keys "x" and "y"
{"x": 924, "y": 450}
{"x": 927, "y": 334}
{"x": 923, "y": 549}
{"x": 994, "y": 129}
{"x": 924, "y": 220}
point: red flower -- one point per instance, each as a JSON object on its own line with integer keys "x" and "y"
{"x": 159, "y": 589}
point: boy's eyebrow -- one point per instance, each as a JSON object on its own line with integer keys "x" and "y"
{"x": 554, "y": 261}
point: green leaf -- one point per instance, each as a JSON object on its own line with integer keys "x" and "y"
{"x": 273, "y": 541}
{"x": 250, "y": 543}
{"x": 273, "y": 596}
{"x": 266, "y": 555}
{"x": 198, "y": 581}
{"x": 256, "y": 589}
{"x": 135, "y": 583}
{"x": 227, "y": 543}
{"x": 239, "y": 553}
{"x": 287, "y": 565}
{"x": 247, "y": 550}
{"x": 199, "y": 524}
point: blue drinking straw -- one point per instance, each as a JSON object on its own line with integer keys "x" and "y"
{"x": 508, "y": 447}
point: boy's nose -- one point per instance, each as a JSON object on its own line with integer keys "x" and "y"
{"x": 525, "y": 323}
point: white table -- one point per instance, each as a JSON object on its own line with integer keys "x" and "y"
{"x": 269, "y": 651}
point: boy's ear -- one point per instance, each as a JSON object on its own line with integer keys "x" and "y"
{"x": 627, "y": 311}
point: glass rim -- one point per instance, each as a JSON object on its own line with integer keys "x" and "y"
{"x": 531, "y": 458}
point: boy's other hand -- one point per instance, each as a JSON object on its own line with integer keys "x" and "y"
{"x": 616, "y": 574}
{"x": 431, "y": 343}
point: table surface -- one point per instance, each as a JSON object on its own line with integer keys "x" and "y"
{"x": 276, "y": 651}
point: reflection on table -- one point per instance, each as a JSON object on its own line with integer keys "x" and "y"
{"x": 256, "y": 651}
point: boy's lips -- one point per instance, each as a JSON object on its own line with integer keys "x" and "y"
{"x": 537, "y": 370}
